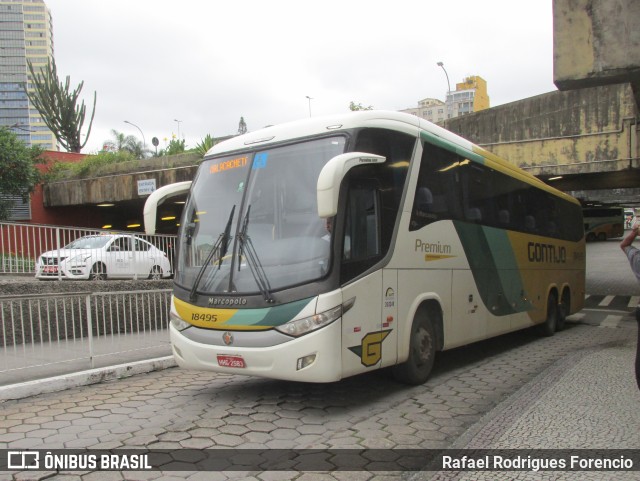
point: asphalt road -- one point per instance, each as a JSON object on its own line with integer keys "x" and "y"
{"x": 608, "y": 270}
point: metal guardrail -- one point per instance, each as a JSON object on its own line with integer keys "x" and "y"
{"x": 22, "y": 244}
{"x": 43, "y": 335}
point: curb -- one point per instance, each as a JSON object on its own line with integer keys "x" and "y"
{"x": 84, "y": 378}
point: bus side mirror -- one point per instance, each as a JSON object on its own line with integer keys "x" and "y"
{"x": 331, "y": 177}
{"x": 156, "y": 198}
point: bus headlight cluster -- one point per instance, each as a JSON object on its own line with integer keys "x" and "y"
{"x": 308, "y": 324}
{"x": 178, "y": 322}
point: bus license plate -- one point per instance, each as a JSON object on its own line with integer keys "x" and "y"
{"x": 231, "y": 361}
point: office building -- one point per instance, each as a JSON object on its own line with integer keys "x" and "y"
{"x": 26, "y": 34}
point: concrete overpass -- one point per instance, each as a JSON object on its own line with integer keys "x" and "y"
{"x": 115, "y": 195}
{"x": 584, "y": 141}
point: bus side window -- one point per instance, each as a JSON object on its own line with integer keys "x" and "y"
{"x": 436, "y": 197}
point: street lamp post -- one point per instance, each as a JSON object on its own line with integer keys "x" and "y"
{"x": 144, "y": 142}
{"x": 179, "y": 121}
{"x": 310, "y": 99}
{"x": 447, "y": 102}
{"x": 440, "y": 64}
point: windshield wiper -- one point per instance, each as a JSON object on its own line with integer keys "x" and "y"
{"x": 221, "y": 246}
{"x": 247, "y": 248}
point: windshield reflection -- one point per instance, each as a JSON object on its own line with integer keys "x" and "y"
{"x": 277, "y": 239}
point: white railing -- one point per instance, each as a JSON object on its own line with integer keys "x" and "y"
{"x": 22, "y": 244}
{"x": 50, "y": 334}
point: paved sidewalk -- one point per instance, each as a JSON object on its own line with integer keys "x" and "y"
{"x": 588, "y": 400}
{"x": 34, "y": 369}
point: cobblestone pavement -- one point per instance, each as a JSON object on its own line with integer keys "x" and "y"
{"x": 175, "y": 408}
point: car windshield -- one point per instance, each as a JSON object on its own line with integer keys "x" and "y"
{"x": 90, "y": 242}
{"x": 268, "y": 198}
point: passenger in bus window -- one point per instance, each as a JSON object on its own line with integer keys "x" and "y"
{"x": 633, "y": 254}
{"x": 328, "y": 223}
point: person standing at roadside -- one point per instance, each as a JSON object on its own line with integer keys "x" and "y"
{"x": 633, "y": 254}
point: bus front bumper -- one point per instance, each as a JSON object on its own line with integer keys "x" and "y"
{"x": 315, "y": 357}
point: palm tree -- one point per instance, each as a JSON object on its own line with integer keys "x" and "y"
{"x": 129, "y": 143}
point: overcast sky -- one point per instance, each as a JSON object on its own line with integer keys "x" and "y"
{"x": 208, "y": 63}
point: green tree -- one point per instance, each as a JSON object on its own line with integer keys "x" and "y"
{"x": 58, "y": 106}
{"x": 120, "y": 142}
{"x": 358, "y": 106}
{"x": 18, "y": 173}
{"x": 175, "y": 147}
{"x": 205, "y": 144}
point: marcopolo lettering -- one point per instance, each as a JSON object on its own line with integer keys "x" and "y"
{"x": 546, "y": 253}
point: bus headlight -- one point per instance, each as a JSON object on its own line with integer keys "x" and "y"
{"x": 178, "y": 322}
{"x": 303, "y": 326}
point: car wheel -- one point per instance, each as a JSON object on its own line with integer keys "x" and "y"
{"x": 156, "y": 273}
{"x": 98, "y": 272}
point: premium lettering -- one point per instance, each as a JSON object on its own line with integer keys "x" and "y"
{"x": 432, "y": 248}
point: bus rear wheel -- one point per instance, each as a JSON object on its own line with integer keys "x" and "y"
{"x": 563, "y": 310}
{"x": 422, "y": 353}
{"x": 549, "y": 326}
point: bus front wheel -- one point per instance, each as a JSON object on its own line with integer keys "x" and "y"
{"x": 422, "y": 353}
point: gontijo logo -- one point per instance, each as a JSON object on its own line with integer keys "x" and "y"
{"x": 370, "y": 349}
{"x": 547, "y": 253}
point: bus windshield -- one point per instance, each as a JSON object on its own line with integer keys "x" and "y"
{"x": 251, "y": 224}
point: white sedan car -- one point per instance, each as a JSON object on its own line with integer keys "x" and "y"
{"x": 99, "y": 257}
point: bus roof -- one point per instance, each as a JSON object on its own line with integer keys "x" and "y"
{"x": 401, "y": 121}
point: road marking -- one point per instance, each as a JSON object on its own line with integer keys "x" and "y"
{"x": 611, "y": 321}
{"x": 606, "y": 301}
{"x": 634, "y": 301}
{"x": 579, "y": 316}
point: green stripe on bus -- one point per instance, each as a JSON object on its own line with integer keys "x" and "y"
{"x": 451, "y": 147}
{"x": 494, "y": 268}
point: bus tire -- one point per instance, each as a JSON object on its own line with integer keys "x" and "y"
{"x": 549, "y": 326}
{"x": 422, "y": 353}
{"x": 563, "y": 310}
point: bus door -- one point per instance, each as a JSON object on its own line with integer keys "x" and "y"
{"x": 368, "y": 337}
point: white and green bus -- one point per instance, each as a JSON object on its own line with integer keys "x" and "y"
{"x": 324, "y": 248}
{"x": 603, "y": 222}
